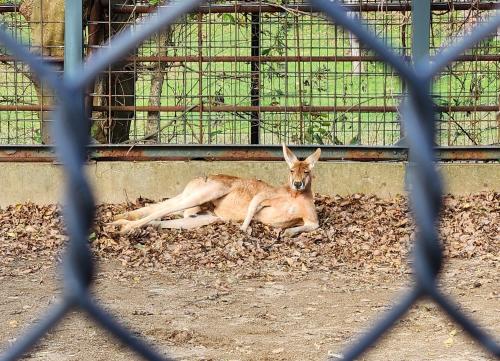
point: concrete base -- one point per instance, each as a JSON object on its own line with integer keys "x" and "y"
{"x": 115, "y": 182}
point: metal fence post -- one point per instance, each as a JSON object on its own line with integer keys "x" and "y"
{"x": 420, "y": 45}
{"x": 73, "y": 54}
{"x": 421, "y": 22}
{"x": 73, "y": 36}
{"x": 255, "y": 79}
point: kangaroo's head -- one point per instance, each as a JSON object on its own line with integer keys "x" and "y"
{"x": 300, "y": 170}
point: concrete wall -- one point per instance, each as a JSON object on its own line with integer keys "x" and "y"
{"x": 116, "y": 181}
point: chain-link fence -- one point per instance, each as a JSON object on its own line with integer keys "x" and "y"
{"x": 71, "y": 136}
{"x": 261, "y": 72}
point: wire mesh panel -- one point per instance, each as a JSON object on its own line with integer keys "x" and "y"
{"x": 239, "y": 72}
{"x": 22, "y": 98}
{"x": 467, "y": 92}
{"x": 242, "y": 72}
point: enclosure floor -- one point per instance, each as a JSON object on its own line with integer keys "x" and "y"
{"x": 217, "y": 293}
{"x": 207, "y": 315}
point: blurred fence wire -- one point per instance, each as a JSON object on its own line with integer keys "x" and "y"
{"x": 71, "y": 137}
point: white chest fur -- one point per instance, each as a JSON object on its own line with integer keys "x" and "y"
{"x": 292, "y": 209}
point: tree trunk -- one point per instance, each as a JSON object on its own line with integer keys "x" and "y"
{"x": 46, "y": 19}
{"x": 116, "y": 87}
{"x": 122, "y": 90}
{"x": 157, "y": 80}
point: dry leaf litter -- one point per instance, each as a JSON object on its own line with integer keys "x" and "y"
{"x": 358, "y": 231}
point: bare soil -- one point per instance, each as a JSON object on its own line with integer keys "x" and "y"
{"x": 220, "y": 294}
{"x": 279, "y": 316}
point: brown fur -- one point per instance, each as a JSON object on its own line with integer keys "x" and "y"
{"x": 237, "y": 199}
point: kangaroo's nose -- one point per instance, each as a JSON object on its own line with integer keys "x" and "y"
{"x": 297, "y": 185}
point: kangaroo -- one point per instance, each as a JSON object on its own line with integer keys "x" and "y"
{"x": 216, "y": 198}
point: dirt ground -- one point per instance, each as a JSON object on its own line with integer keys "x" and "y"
{"x": 279, "y": 316}
{"x": 220, "y": 294}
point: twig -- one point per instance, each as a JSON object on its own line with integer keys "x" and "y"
{"x": 152, "y": 134}
{"x": 462, "y": 129}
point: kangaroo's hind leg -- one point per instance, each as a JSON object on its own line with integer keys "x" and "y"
{"x": 192, "y": 212}
{"x": 144, "y": 211}
{"x": 188, "y": 223}
{"x": 139, "y": 213}
{"x": 204, "y": 192}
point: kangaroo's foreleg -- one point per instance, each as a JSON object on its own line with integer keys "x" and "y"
{"x": 310, "y": 219}
{"x": 308, "y": 227}
{"x": 254, "y": 207}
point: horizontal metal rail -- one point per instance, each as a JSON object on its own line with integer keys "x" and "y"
{"x": 262, "y": 59}
{"x": 9, "y": 8}
{"x": 250, "y": 108}
{"x": 164, "y": 152}
{"x": 269, "y": 8}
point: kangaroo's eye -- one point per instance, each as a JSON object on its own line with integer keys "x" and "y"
{"x": 306, "y": 172}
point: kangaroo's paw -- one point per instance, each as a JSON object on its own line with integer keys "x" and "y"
{"x": 127, "y": 227}
{"x": 121, "y": 226}
{"x": 114, "y": 226}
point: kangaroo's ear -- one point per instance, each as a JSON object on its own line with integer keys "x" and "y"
{"x": 290, "y": 158}
{"x": 313, "y": 158}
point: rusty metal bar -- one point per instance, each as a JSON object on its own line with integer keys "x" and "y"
{"x": 241, "y": 153}
{"x": 263, "y": 108}
{"x": 165, "y": 152}
{"x": 270, "y": 8}
{"x": 486, "y": 153}
{"x": 51, "y": 59}
{"x": 263, "y": 59}
{"x": 9, "y": 8}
